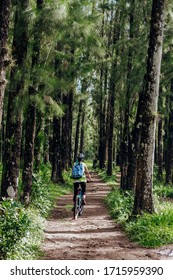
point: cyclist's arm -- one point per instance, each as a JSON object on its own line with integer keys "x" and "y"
{"x": 87, "y": 173}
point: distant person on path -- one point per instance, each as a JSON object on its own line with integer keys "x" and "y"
{"x": 80, "y": 173}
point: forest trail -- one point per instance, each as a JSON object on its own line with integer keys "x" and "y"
{"x": 93, "y": 236}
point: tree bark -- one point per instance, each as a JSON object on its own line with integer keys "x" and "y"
{"x": 30, "y": 128}
{"x": 160, "y": 149}
{"x": 12, "y": 149}
{"x": 143, "y": 194}
{"x": 82, "y": 133}
{"x": 76, "y": 147}
{"x": 169, "y": 150}
{"x": 56, "y": 160}
{"x": 111, "y": 98}
{"x": 5, "y": 6}
{"x": 126, "y": 131}
{"x": 38, "y": 147}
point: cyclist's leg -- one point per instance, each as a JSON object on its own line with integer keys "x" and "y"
{"x": 83, "y": 186}
{"x": 75, "y": 193}
{"x": 75, "y": 190}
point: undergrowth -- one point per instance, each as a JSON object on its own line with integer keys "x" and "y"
{"x": 148, "y": 230}
{"x": 21, "y": 228}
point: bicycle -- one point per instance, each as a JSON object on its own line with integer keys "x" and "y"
{"x": 79, "y": 204}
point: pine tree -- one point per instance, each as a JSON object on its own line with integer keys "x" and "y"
{"x": 143, "y": 194}
{"x": 11, "y": 159}
{"x": 5, "y": 6}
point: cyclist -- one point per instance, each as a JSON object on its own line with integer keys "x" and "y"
{"x": 81, "y": 181}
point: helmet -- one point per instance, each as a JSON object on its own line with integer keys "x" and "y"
{"x": 80, "y": 156}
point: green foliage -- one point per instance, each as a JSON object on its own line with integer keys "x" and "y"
{"x": 28, "y": 247}
{"x": 14, "y": 224}
{"x": 21, "y": 229}
{"x": 109, "y": 179}
{"x": 67, "y": 177}
{"x": 152, "y": 230}
{"x": 163, "y": 190}
{"x": 149, "y": 230}
{"x": 44, "y": 191}
{"x": 120, "y": 204}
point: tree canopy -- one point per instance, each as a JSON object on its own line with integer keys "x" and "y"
{"x": 86, "y": 76}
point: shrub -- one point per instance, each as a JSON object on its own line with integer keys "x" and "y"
{"x": 120, "y": 204}
{"x": 28, "y": 246}
{"x": 21, "y": 229}
{"x": 163, "y": 190}
{"x": 14, "y": 224}
{"x": 152, "y": 230}
{"x": 44, "y": 192}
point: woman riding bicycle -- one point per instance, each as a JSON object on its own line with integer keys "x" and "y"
{"x": 82, "y": 180}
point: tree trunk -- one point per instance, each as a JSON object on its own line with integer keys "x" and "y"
{"x": 143, "y": 194}
{"x": 67, "y": 100}
{"x": 126, "y": 131}
{"x": 160, "y": 149}
{"x": 102, "y": 119}
{"x": 111, "y": 98}
{"x": 134, "y": 152}
{"x": 56, "y": 160}
{"x": 169, "y": 150}
{"x": 65, "y": 133}
{"x": 11, "y": 159}
{"x": 46, "y": 145}
{"x": 76, "y": 147}
{"x": 82, "y": 133}
{"x": 31, "y": 113}
{"x": 5, "y": 6}
{"x": 111, "y": 119}
{"x": 38, "y": 148}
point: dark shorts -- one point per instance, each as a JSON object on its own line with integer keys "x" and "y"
{"x": 76, "y": 185}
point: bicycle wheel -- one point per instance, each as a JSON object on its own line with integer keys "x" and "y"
{"x": 81, "y": 207}
{"x": 76, "y": 207}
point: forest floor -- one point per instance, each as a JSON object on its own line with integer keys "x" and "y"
{"x": 94, "y": 235}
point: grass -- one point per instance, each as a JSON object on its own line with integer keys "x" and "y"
{"x": 148, "y": 230}
{"x": 152, "y": 230}
{"x": 108, "y": 179}
{"x": 28, "y": 247}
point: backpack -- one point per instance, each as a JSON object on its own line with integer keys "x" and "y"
{"x": 77, "y": 170}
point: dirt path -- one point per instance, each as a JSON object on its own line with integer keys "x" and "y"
{"x": 93, "y": 236}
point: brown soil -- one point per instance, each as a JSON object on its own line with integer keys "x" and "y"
{"x": 93, "y": 236}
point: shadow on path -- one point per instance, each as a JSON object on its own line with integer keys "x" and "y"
{"x": 93, "y": 236}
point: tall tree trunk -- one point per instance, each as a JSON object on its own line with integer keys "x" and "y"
{"x": 11, "y": 159}
{"x": 65, "y": 133}
{"x": 70, "y": 118}
{"x": 111, "y": 98}
{"x": 143, "y": 194}
{"x": 82, "y": 133}
{"x": 5, "y": 6}
{"x": 46, "y": 145}
{"x": 56, "y": 160}
{"x": 76, "y": 147}
{"x": 111, "y": 119}
{"x": 38, "y": 147}
{"x": 136, "y": 136}
{"x": 160, "y": 149}
{"x": 169, "y": 150}
{"x": 102, "y": 120}
{"x": 126, "y": 131}
{"x": 67, "y": 100}
{"x": 31, "y": 113}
